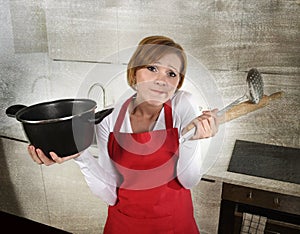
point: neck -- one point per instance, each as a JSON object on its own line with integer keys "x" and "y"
{"x": 145, "y": 109}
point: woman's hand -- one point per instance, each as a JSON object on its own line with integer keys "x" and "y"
{"x": 39, "y": 157}
{"x": 206, "y": 125}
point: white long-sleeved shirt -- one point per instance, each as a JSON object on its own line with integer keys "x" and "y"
{"x": 100, "y": 173}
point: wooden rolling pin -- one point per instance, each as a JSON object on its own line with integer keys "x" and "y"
{"x": 237, "y": 111}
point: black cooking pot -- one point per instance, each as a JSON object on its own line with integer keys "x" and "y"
{"x": 64, "y": 126}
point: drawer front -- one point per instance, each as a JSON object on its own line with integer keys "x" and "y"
{"x": 261, "y": 198}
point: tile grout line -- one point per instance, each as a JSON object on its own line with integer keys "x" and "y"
{"x": 48, "y": 212}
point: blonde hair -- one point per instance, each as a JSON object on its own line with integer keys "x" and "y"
{"x": 151, "y": 49}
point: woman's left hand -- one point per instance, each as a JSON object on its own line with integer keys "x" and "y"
{"x": 206, "y": 125}
{"x": 39, "y": 157}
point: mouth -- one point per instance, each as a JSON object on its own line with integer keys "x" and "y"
{"x": 159, "y": 92}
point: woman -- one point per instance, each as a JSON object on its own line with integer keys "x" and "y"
{"x": 143, "y": 173}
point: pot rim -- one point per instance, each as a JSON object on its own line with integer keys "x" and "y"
{"x": 45, "y": 121}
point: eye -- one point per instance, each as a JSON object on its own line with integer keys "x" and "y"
{"x": 172, "y": 74}
{"x": 152, "y": 68}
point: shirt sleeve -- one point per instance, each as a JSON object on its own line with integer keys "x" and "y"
{"x": 100, "y": 173}
{"x": 190, "y": 160}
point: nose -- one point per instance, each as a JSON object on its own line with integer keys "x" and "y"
{"x": 161, "y": 79}
{"x": 160, "y": 82}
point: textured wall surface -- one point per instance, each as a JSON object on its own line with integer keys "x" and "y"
{"x": 49, "y": 48}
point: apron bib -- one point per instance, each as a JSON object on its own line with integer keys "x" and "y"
{"x": 150, "y": 198}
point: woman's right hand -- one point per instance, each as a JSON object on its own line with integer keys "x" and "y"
{"x": 39, "y": 157}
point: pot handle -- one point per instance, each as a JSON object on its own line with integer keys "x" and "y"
{"x": 100, "y": 115}
{"x": 13, "y": 110}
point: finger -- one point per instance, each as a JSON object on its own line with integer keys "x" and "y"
{"x": 200, "y": 132}
{"x": 212, "y": 119}
{"x": 33, "y": 154}
{"x": 60, "y": 160}
{"x": 206, "y": 125}
{"x": 205, "y": 120}
{"x": 213, "y": 125}
{"x": 216, "y": 117}
{"x": 56, "y": 158}
{"x": 47, "y": 161}
{"x": 208, "y": 128}
{"x": 215, "y": 111}
{"x": 212, "y": 113}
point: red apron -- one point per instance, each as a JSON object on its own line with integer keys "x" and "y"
{"x": 150, "y": 198}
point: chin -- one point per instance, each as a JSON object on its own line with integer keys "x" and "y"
{"x": 157, "y": 101}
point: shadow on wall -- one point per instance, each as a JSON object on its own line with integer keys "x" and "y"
{"x": 8, "y": 198}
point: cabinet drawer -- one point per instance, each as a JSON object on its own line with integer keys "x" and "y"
{"x": 261, "y": 198}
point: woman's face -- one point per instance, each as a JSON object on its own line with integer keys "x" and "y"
{"x": 157, "y": 82}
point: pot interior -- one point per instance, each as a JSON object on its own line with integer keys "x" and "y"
{"x": 58, "y": 109}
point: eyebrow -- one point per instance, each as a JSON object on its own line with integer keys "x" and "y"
{"x": 170, "y": 66}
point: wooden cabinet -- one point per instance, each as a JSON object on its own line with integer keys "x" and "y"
{"x": 282, "y": 211}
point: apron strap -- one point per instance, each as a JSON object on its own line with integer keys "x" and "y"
{"x": 168, "y": 114}
{"x": 167, "y": 108}
{"x": 121, "y": 115}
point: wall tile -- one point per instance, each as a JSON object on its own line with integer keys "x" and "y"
{"x": 24, "y": 79}
{"x": 208, "y": 34}
{"x": 81, "y": 31}
{"x": 270, "y": 37}
{"x": 29, "y": 26}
